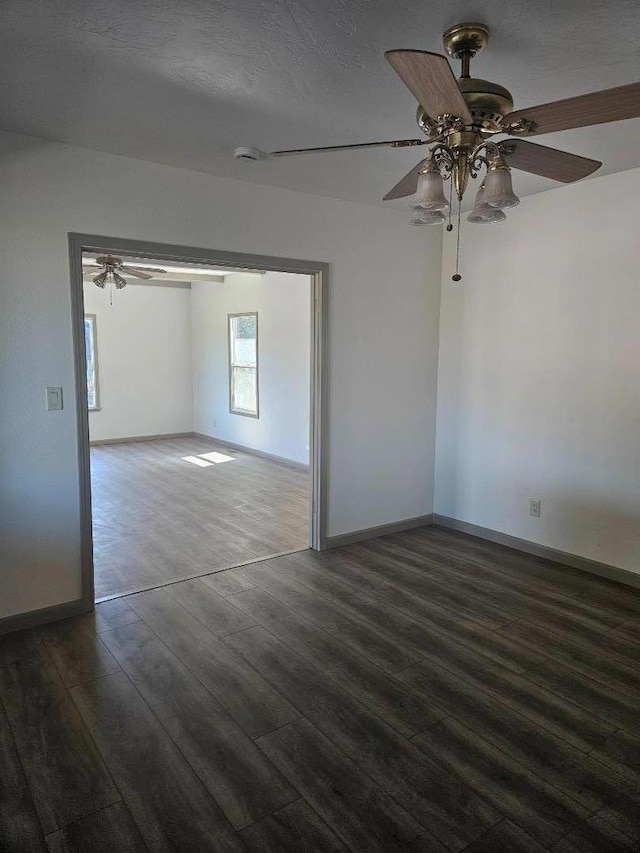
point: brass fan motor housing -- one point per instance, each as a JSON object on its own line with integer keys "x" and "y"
{"x": 488, "y": 102}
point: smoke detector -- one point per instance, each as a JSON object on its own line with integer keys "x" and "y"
{"x": 249, "y": 155}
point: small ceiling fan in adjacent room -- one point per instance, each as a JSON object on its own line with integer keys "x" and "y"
{"x": 112, "y": 270}
{"x": 459, "y": 117}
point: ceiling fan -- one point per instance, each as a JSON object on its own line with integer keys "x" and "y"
{"x": 458, "y": 117}
{"x": 113, "y": 270}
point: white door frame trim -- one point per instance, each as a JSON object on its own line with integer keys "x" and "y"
{"x": 319, "y": 434}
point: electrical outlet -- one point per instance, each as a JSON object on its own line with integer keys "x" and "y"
{"x": 535, "y": 507}
{"x": 215, "y": 424}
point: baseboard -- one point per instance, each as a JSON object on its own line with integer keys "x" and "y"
{"x": 100, "y": 441}
{"x": 233, "y": 446}
{"x": 603, "y": 570}
{"x": 34, "y": 618}
{"x": 380, "y": 530}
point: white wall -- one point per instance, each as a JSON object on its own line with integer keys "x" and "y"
{"x": 144, "y": 361}
{"x": 284, "y": 326}
{"x": 384, "y": 298}
{"x": 538, "y": 388}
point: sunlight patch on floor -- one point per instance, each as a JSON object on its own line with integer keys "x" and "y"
{"x": 206, "y": 460}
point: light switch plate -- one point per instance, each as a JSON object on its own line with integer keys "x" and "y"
{"x": 54, "y": 398}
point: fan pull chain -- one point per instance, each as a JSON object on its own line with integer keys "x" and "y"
{"x": 457, "y": 276}
{"x": 449, "y": 225}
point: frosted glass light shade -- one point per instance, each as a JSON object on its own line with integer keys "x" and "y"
{"x": 498, "y": 191}
{"x": 483, "y": 213}
{"x": 427, "y": 217}
{"x": 487, "y": 215}
{"x": 430, "y": 192}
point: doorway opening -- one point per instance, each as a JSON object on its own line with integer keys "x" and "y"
{"x": 200, "y": 399}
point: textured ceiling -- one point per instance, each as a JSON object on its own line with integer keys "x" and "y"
{"x": 183, "y": 82}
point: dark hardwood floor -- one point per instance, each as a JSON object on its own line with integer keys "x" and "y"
{"x": 426, "y": 691}
{"x": 176, "y": 508}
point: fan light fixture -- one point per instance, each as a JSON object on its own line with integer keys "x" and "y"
{"x": 111, "y": 269}
{"x": 430, "y": 189}
{"x": 459, "y": 116}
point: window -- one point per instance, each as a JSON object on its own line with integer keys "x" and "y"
{"x": 91, "y": 349}
{"x": 243, "y": 364}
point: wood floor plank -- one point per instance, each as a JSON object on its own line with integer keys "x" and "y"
{"x": 507, "y": 570}
{"x": 573, "y": 582}
{"x": 429, "y": 586}
{"x": 620, "y": 752}
{"x": 594, "y": 696}
{"x": 234, "y": 771}
{"x": 595, "y": 836}
{"x": 20, "y": 829}
{"x": 208, "y": 607}
{"x": 444, "y": 806}
{"x": 358, "y": 811}
{"x": 565, "y": 719}
{"x": 78, "y": 653}
{"x": 110, "y": 830}
{"x": 250, "y": 700}
{"x": 67, "y": 777}
{"x": 601, "y": 638}
{"x": 399, "y": 705}
{"x": 293, "y": 829}
{"x": 112, "y": 614}
{"x": 544, "y": 812}
{"x": 506, "y": 837}
{"x": 586, "y": 781}
{"x": 378, "y": 645}
{"x": 592, "y": 658}
{"x": 359, "y": 573}
{"x": 488, "y": 576}
{"x": 227, "y": 583}
{"x": 167, "y": 801}
{"x": 514, "y": 604}
{"x": 628, "y": 632}
{"x": 492, "y": 645}
{"x": 329, "y": 575}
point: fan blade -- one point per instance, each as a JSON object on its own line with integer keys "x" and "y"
{"x": 408, "y": 185}
{"x": 135, "y": 272}
{"x": 431, "y": 80}
{"x": 89, "y": 269}
{"x": 582, "y": 111}
{"x": 394, "y": 143}
{"x": 549, "y": 162}
{"x": 145, "y": 269}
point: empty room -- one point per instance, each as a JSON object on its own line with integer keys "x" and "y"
{"x": 319, "y": 499}
{"x": 198, "y": 398}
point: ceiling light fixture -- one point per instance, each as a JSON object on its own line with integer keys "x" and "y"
{"x": 458, "y": 117}
{"x": 111, "y": 269}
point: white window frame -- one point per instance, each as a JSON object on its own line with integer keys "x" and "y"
{"x": 92, "y": 318}
{"x": 232, "y": 365}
